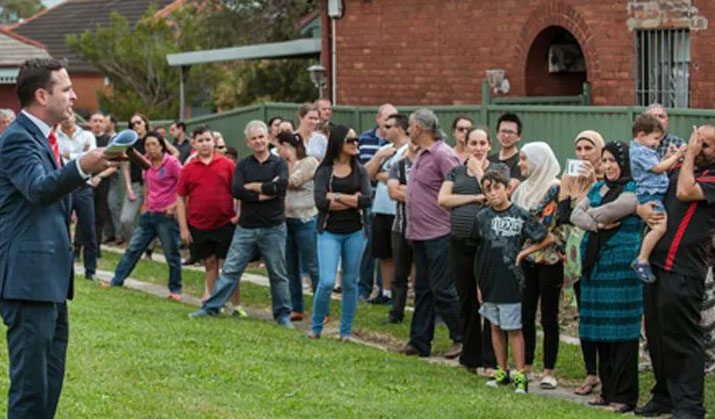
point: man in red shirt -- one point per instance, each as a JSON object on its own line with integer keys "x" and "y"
{"x": 206, "y": 209}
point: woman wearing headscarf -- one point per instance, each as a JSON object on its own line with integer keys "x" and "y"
{"x": 611, "y": 293}
{"x": 543, "y": 270}
{"x": 588, "y": 147}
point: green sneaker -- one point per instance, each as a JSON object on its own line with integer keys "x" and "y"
{"x": 521, "y": 383}
{"x": 499, "y": 378}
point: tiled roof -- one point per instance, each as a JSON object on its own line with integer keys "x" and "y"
{"x": 51, "y": 26}
{"x": 14, "y": 49}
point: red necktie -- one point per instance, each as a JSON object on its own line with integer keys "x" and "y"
{"x": 55, "y": 147}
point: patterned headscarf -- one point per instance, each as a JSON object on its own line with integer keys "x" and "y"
{"x": 621, "y": 154}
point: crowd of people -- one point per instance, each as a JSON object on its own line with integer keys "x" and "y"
{"x": 486, "y": 240}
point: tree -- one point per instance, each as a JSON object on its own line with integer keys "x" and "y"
{"x": 12, "y": 11}
{"x": 134, "y": 59}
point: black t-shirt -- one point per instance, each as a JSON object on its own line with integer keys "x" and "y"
{"x": 135, "y": 170}
{"x": 512, "y": 163}
{"x": 500, "y": 236}
{"x": 102, "y": 140}
{"x": 184, "y": 150}
{"x": 346, "y": 221}
{"x": 684, "y": 247}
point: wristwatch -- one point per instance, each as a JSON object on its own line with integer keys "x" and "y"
{"x": 337, "y": 197}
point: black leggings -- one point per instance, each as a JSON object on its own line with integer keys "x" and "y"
{"x": 477, "y": 348}
{"x": 588, "y": 348}
{"x": 543, "y": 282}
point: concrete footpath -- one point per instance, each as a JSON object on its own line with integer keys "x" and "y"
{"x": 331, "y": 328}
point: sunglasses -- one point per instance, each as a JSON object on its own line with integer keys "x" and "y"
{"x": 463, "y": 129}
{"x": 136, "y": 122}
{"x": 351, "y": 140}
{"x": 221, "y": 147}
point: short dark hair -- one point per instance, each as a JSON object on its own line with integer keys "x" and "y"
{"x": 274, "y": 119}
{"x": 401, "y": 120}
{"x": 36, "y": 74}
{"x": 305, "y": 108}
{"x": 647, "y": 124}
{"x": 200, "y": 130}
{"x": 510, "y": 117}
{"x": 294, "y": 140}
{"x": 180, "y": 124}
{"x": 113, "y": 120}
{"x": 459, "y": 118}
{"x": 495, "y": 176}
{"x": 231, "y": 151}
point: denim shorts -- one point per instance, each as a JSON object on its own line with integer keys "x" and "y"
{"x": 505, "y": 316}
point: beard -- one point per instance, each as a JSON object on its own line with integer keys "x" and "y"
{"x": 701, "y": 160}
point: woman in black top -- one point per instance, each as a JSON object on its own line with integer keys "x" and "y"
{"x": 462, "y": 194}
{"x": 342, "y": 190}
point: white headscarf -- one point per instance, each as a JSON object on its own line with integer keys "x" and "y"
{"x": 543, "y": 169}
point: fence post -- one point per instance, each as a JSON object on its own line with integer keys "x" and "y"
{"x": 484, "y": 107}
{"x": 586, "y": 94}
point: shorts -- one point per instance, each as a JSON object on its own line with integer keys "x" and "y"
{"x": 208, "y": 243}
{"x": 382, "y": 236}
{"x": 505, "y": 316}
{"x": 647, "y": 197}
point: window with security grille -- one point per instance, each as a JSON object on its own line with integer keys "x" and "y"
{"x": 663, "y": 67}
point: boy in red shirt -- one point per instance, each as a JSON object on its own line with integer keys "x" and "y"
{"x": 206, "y": 208}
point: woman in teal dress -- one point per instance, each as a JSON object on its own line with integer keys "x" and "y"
{"x": 611, "y": 294}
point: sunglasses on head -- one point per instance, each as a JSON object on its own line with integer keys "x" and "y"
{"x": 351, "y": 140}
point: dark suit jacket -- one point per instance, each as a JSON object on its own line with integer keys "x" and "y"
{"x": 35, "y": 207}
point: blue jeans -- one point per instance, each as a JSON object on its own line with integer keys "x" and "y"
{"x": 434, "y": 291}
{"x": 367, "y": 264}
{"x": 331, "y": 248}
{"x": 150, "y": 226}
{"x": 301, "y": 252}
{"x": 270, "y": 241}
{"x": 83, "y": 204}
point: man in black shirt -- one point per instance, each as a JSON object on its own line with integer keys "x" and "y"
{"x": 260, "y": 182}
{"x": 178, "y": 132}
{"x": 509, "y": 136}
{"x": 672, "y": 304}
{"x": 101, "y": 186}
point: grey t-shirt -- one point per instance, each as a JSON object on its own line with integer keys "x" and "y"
{"x": 462, "y": 217}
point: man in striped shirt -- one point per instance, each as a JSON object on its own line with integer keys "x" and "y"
{"x": 368, "y": 143}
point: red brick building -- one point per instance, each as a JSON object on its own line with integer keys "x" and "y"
{"x": 432, "y": 52}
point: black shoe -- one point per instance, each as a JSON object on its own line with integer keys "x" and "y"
{"x": 90, "y": 277}
{"x": 338, "y": 289}
{"x": 652, "y": 408}
{"x": 379, "y": 299}
{"x": 392, "y": 320}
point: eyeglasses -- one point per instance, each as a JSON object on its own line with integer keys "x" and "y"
{"x": 507, "y": 132}
{"x": 351, "y": 140}
{"x": 136, "y": 122}
{"x": 463, "y": 129}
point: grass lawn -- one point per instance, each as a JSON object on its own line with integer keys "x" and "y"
{"x": 135, "y": 355}
{"x": 368, "y": 323}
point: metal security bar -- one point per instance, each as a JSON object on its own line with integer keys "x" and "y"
{"x": 663, "y": 67}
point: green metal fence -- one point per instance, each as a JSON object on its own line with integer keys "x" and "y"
{"x": 557, "y": 125}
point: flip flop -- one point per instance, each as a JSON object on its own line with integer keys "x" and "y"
{"x": 586, "y": 388}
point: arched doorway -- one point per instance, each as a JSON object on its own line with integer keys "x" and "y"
{"x": 555, "y": 65}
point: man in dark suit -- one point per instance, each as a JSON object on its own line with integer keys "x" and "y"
{"x": 35, "y": 249}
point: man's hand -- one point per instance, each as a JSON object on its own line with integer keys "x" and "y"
{"x": 234, "y": 219}
{"x": 253, "y": 186}
{"x": 695, "y": 145}
{"x": 94, "y": 161}
{"x": 649, "y": 215}
{"x": 386, "y": 152}
{"x": 95, "y": 181}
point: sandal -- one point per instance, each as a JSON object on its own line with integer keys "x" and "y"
{"x": 620, "y": 407}
{"x": 643, "y": 271}
{"x": 586, "y": 387}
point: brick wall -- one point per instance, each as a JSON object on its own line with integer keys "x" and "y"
{"x": 437, "y": 52}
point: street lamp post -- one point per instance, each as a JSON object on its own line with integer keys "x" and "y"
{"x": 318, "y": 77}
